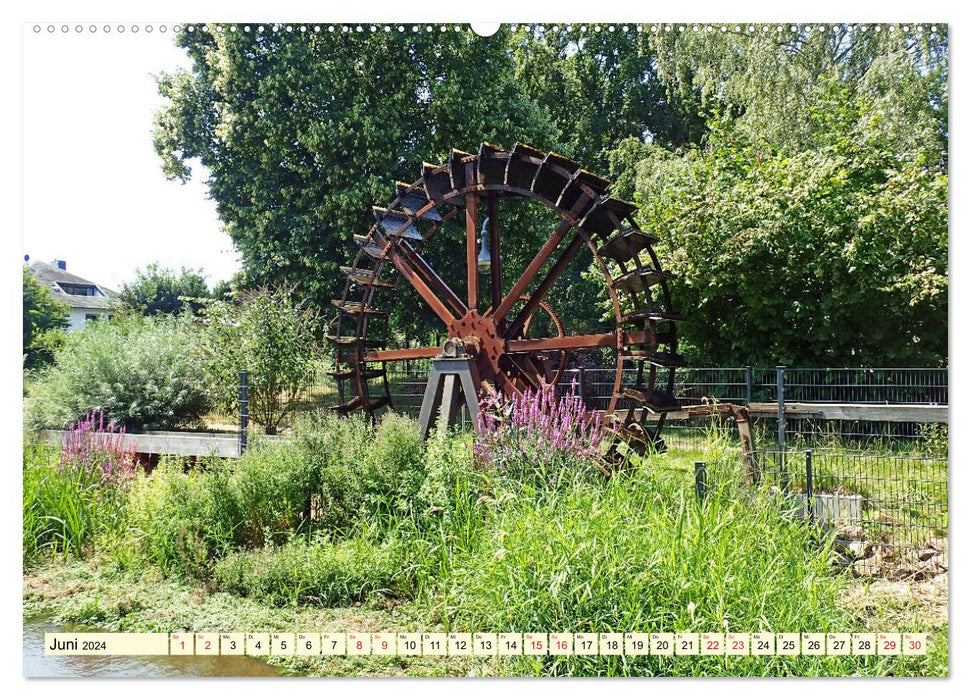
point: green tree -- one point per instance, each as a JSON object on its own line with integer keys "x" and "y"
{"x": 271, "y": 334}
{"x": 831, "y": 255}
{"x": 302, "y": 132}
{"x": 601, "y": 87}
{"x": 226, "y": 289}
{"x": 45, "y": 319}
{"x": 811, "y": 226}
{"x": 160, "y": 290}
{"x": 775, "y": 81}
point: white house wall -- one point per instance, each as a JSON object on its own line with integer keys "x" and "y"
{"x": 77, "y": 317}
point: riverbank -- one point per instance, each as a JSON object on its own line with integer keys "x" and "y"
{"x": 94, "y": 594}
{"x": 89, "y": 593}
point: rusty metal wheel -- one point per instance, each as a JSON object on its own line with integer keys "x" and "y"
{"x": 642, "y": 339}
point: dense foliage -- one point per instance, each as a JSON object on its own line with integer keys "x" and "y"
{"x": 333, "y": 477}
{"x": 66, "y": 506}
{"x": 833, "y": 256}
{"x": 811, "y": 226}
{"x": 776, "y": 84}
{"x": 600, "y": 87}
{"x": 302, "y": 132}
{"x": 272, "y": 336}
{"x": 795, "y": 152}
{"x": 142, "y": 373}
{"x": 45, "y": 319}
{"x": 159, "y": 290}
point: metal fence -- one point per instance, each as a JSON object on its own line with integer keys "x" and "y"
{"x": 889, "y": 511}
{"x": 865, "y": 385}
{"x": 740, "y": 385}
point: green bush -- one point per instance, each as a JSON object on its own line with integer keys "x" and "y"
{"x": 394, "y": 470}
{"x": 337, "y": 449}
{"x": 317, "y": 571}
{"x": 335, "y": 476}
{"x": 143, "y": 373}
{"x": 160, "y": 290}
{"x": 45, "y": 319}
{"x": 186, "y": 520}
{"x": 183, "y": 521}
{"x": 778, "y": 253}
{"x": 452, "y": 484}
{"x": 270, "y": 333}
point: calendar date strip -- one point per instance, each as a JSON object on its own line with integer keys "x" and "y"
{"x": 486, "y": 644}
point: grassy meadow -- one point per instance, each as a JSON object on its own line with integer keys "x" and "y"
{"x": 350, "y": 526}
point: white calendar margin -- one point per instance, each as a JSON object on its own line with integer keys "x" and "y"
{"x": 495, "y": 10}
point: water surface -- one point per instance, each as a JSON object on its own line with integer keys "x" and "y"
{"x": 37, "y": 665}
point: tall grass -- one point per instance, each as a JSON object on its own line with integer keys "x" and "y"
{"x": 317, "y": 571}
{"x": 640, "y": 553}
{"x": 64, "y": 509}
{"x": 335, "y": 478}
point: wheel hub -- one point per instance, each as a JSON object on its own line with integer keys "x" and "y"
{"x": 482, "y": 340}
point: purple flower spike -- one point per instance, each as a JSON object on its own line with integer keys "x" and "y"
{"x": 537, "y": 427}
{"x": 93, "y": 446}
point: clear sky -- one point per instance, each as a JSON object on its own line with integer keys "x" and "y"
{"x": 94, "y": 192}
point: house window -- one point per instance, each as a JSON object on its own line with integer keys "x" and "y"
{"x": 81, "y": 290}
{"x": 90, "y": 317}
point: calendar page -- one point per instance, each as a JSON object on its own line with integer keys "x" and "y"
{"x": 426, "y": 348}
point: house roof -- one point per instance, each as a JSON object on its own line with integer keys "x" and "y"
{"x": 51, "y": 276}
{"x": 80, "y": 302}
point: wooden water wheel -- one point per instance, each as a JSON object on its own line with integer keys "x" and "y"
{"x": 507, "y": 352}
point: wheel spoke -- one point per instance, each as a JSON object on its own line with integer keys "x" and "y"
{"x": 421, "y": 353}
{"x": 527, "y": 371}
{"x": 576, "y": 342}
{"x": 507, "y": 385}
{"x": 537, "y": 296}
{"x": 495, "y": 257}
{"x": 534, "y": 267}
{"x": 424, "y": 279}
{"x": 543, "y": 363}
{"x": 472, "y": 248}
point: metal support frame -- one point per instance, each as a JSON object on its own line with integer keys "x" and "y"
{"x": 810, "y": 505}
{"x": 243, "y": 409}
{"x": 701, "y": 480}
{"x": 449, "y": 377}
